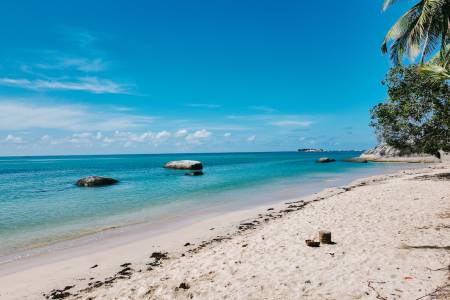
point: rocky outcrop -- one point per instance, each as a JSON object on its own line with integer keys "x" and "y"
{"x": 195, "y": 173}
{"x": 92, "y": 181}
{"x": 310, "y": 150}
{"x": 184, "y": 165}
{"x": 385, "y": 153}
{"x": 325, "y": 160}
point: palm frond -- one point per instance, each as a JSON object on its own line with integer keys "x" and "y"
{"x": 418, "y": 31}
{"x": 435, "y": 72}
{"x": 388, "y": 3}
{"x": 400, "y": 32}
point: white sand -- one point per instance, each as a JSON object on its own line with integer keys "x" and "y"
{"x": 391, "y": 232}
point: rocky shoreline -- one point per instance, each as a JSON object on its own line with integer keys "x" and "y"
{"x": 385, "y": 153}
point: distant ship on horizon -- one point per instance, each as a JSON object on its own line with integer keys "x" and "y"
{"x": 310, "y": 150}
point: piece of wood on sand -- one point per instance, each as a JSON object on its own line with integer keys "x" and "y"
{"x": 325, "y": 237}
{"x": 312, "y": 243}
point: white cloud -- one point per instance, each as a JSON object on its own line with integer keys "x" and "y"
{"x": 162, "y": 135}
{"x": 227, "y": 134}
{"x": 200, "y": 134}
{"x": 107, "y": 140}
{"x": 292, "y": 123}
{"x": 46, "y": 138}
{"x": 197, "y": 136}
{"x": 13, "y": 139}
{"x": 181, "y": 133}
{"x": 20, "y": 116}
{"x": 124, "y": 136}
{"x": 128, "y": 144}
{"x": 88, "y": 84}
{"x": 251, "y": 138}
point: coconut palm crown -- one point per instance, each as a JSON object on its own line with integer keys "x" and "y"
{"x": 423, "y": 29}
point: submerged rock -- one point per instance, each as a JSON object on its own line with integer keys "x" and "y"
{"x": 96, "y": 181}
{"x": 184, "y": 165}
{"x": 195, "y": 173}
{"x": 325, "y": 160}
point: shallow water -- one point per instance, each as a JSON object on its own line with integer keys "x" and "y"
{"x": 40, "y": 205}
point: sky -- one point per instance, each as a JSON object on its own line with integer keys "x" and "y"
{"x": 109, "y": 77}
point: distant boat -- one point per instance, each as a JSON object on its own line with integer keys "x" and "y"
{"x": 310, "y": 150}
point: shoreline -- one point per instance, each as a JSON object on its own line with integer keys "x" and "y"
{"x": 187, "y": 213}
{"x": 71, "y": 267}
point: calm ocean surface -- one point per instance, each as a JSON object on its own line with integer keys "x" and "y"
{"x": 40, "y": 205}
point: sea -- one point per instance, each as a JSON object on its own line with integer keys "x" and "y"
{"x": 40, "y": 205}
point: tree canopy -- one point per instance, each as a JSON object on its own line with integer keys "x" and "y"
{"x": 416, "y": 115}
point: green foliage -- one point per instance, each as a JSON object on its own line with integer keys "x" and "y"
{"x": 416, "y": 115}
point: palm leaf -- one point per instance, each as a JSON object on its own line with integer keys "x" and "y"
{"x": 435, "y": 72}
{"x": 419, "y": 30}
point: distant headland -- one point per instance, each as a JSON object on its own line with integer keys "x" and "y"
{"x": 310, "y": 150}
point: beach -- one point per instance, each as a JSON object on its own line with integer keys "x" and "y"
{"x": 390, "y": 233}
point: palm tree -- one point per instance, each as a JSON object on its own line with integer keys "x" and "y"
{"x": 423, "y": 29}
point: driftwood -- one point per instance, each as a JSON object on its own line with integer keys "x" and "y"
{"x": 325, "y": 237}
{"x": 312, "y": 243}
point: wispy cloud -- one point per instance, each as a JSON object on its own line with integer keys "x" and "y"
{"x": 79, "y": 63}
{"x": 181, "y": 133}
{"x": 87, "y": 84}
{"x": 20, "y": 116}
{"x": 13, "y": 139}
{"x": 197, "y": 136}
{"x": 56, "y": 70}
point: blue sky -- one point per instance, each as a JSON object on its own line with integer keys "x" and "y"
{"x": 92, "y": 77}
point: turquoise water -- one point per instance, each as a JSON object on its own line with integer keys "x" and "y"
{"x": 39, "y": 203}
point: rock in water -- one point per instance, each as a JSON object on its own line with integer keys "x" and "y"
{"x": 195, "y": 173}
{"x": 96, "y": 181}
{"x": 325, "y": 160}
{"x": 184, "y": 165}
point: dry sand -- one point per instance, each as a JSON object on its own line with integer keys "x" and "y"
{"x": 391, "y": 234}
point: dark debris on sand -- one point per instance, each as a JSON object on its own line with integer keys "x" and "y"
{"x": 271, "y": 214}
{"x": 59, "y": 294}
{"x": 436, "y": 177}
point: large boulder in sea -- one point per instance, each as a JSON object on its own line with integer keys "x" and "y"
{"x": 91, "y": 181}
{"x": 386, "y": 153}
{"x": 325, "y": 160}
{"x": 184, "y": 165}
